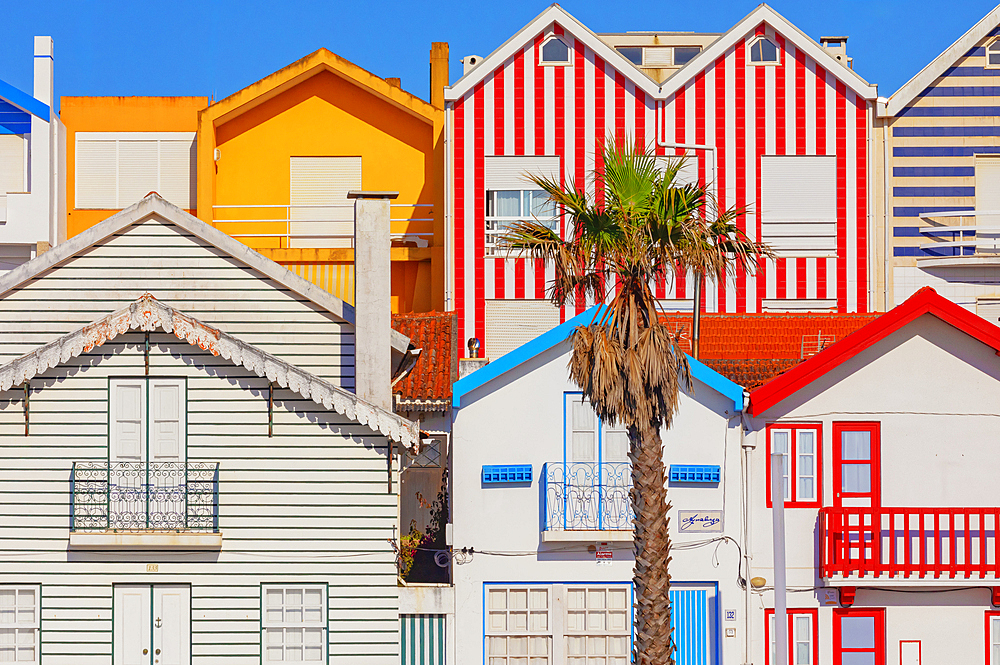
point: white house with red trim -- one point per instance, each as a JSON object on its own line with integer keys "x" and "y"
{"x": 771, "y": 119}
{"x": 892, "y": 506}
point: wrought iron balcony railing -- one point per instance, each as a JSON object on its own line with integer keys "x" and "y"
{"x": 910, "y": 542}
{"x": 587, "y": 496}
{"x": 141, "y": 496}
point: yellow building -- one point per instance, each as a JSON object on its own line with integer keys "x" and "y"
{"x": 272, "y": 164}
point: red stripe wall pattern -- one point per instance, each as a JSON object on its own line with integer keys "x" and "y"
{"x": 745, "y": 111}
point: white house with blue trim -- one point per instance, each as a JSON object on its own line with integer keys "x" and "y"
{"x": 541, "y": 516}
{"x": 32, "y": 157}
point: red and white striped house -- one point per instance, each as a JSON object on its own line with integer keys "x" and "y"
{"x": 771, "y": 119}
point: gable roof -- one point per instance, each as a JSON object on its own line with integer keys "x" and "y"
{"x": 24, "y": 102}
{"x": 751, "y": 349}
{"x": 428, "y": 386}
{"x": 924, "y": 301}
{"x": 762, "y": 14}
{"x": 153, "y": 205}
{"x": 316, "y": 62}
{"x": 926, "y": 76}
{"x": 553, "y": 14}
{"x": 147, "y": 313}
{"x": 765, "y": 14}
{"x": 559, "y": 334}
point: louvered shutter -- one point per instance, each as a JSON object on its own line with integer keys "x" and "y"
{"x": 166, "y": 403}
{"x": 11, "y": 163}
{"x": 323, "y": 181}
{"x": 177, "y": 172}
{"x": 798, "y": 205}
{"x": 138, "y": 170}
{"x": 694, "y": 628}
{"x": 511, "y": 323}
{"x": 506, "y": 173}
{"x": 658, "y": 56}
{"x": 128, "y": 432}
{"x": 688, "y": 173}
{"x": 96, "y": 173}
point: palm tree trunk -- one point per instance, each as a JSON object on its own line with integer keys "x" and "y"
{"x": 654, "y": 643}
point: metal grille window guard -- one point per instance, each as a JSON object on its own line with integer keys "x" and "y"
{"x": 587, "y": 496}
{"x": 144, "y": 496}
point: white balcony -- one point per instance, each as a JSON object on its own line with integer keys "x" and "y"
{"x": 960, "y": 238}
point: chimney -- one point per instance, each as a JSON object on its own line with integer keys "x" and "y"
{"x": 372, "y": 298}
{"x": 470, "y": 62}
{"x": 837, "y": 47}
{"x": 439, "y": 73}
{"x": 43, "y": 90}
{"x": 395, "y": 82}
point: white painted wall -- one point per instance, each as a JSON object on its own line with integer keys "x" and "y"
{"x": 936, "y": 393}
{"x": 518, "y": 419}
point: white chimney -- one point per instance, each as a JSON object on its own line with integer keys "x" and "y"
{"x": 43, "y": 90}
{"x": 469, "y": 63}
{"x": 372, "y": 298}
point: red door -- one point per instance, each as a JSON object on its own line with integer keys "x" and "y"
{"x": 857, "y": 492}
{"x": 858, "y": 637}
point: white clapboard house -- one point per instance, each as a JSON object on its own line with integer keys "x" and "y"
{"x": 542, "y": 533}
{"x": 187, "y": 476}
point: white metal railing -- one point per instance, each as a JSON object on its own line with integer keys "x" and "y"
{"x": 326, "y": 225}
{"x": 497, "y": 226}
{"x": 982, "y": 239}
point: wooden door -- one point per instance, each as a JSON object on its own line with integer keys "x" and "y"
{"x": 857, "y": 490}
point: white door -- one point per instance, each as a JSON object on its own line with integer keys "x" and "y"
{"x": 319, "y": 204}
{"x": 147, "y": 454}
{"x": 131, "y": 625}
{"x": 152, "y": 624}
{"x": 171, "y": 625}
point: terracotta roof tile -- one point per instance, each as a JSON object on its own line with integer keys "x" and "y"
{"x": 751, "y": 349}
{"x": 437, "y": 367}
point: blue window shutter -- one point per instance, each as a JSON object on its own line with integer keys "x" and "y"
{"x": 691, "y": 623}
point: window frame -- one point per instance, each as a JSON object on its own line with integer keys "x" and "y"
{"x": 989, "y": 616}
{"x": 554, "y": 63}
{"x": 36, "y": 626}
{"x": 874, "y": 428}
{"x": 880, "y": 645}
{"x": 995, "y": 44}
{"x": 811, "y": 612}
{"x": 324, "y": 624}
{"x": 499, "y": 223}
{"x": 489, "y": 633}
{"x": 793, "y": 477}
{"x": 146, "y": 410}
{"x": 697, "y": 49}
{"x": 756, "y": 63}
{"x": 601, "y": 428}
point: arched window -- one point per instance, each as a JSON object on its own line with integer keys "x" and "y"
{"x": 993, "y": 54}
{"x": 763, "y": 52}
{"x": 555, "y": 52}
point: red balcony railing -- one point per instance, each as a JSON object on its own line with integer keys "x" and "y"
{"x": 910, "y": 542}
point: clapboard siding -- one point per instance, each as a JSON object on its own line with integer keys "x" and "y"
{"x": 184, "y": 272}
{"x": 311, "y": 504}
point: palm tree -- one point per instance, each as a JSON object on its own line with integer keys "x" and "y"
{"x": 626, "y": 361}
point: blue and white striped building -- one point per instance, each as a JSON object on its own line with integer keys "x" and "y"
{"x": 938, "y": 143}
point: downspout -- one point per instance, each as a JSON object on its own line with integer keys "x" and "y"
{"x": 449, "y": 208}
{"x": 747, "y": 449}
{"x": 887, "y": 199}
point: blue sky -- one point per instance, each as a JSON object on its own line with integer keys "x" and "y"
{"x": 216, "y": 47}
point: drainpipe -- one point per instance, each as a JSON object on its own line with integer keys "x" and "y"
{"x": 886, "y": 216}
{"x": 780, "y": 585}
{"x": 699, "y": 278}
{"x": 747, "y": 450}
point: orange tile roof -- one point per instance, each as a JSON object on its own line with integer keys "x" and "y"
{"x": 751, "y": 349}
{"x": 428, "y": 385}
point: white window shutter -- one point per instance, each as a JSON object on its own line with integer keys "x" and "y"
{"x": 987, "y": 186}
{"x": 688, "y": 172}
{"x": 505, "y": 173}
{"x": 166, "y": 403}
{"x": 177, "y": 172}
{"x": 11, "y": 163}
{"x": 96, "y": 174}
{"x": 127, "y": 423}
{"x": 138, "y": 166}
{"x": 511, "y": 323}
{"x": 323, "y": 181}
{"x": 798, "y": 205}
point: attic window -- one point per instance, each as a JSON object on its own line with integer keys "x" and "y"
{"x": 763, "y": 52}
{"x": 993, "y": 54}
{"x": 684, "y": 54}
{"x": 555, "y": 52}
{"x": 632, "y": 53}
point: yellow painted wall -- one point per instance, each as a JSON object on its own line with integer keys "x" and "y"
{"x": 118, "y": 114}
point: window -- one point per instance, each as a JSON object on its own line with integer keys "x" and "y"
{"x": 987, "y": 188}
{"x": 993, "y": 54}
{"x": 148, "y": 430}
{"x": 799, "y": 446}
{"x": 511, "y": 323}
{"x": 593, "y": 626}
{"x": 590, "y": 440}
{"x": 518, "y": 626}
{"x": 554, "y": 52}
{"x": 764, "y": 52}
{"x": 684, "y": 54}
{"x": 632, "y": 53}
{"x": 993, "y": 638}
{"x": 321, "y": 214}
{"x": 19, "y": 624}
{"x": 687, "y": 169}
{"x": 798, "y": 205}
{"x": 803, "y": 646}
{"x": 116, "y": 169}
{"x": 294, "y": 624}
{"x": 512, "y": 197}
{"x": 858, "y": 637}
